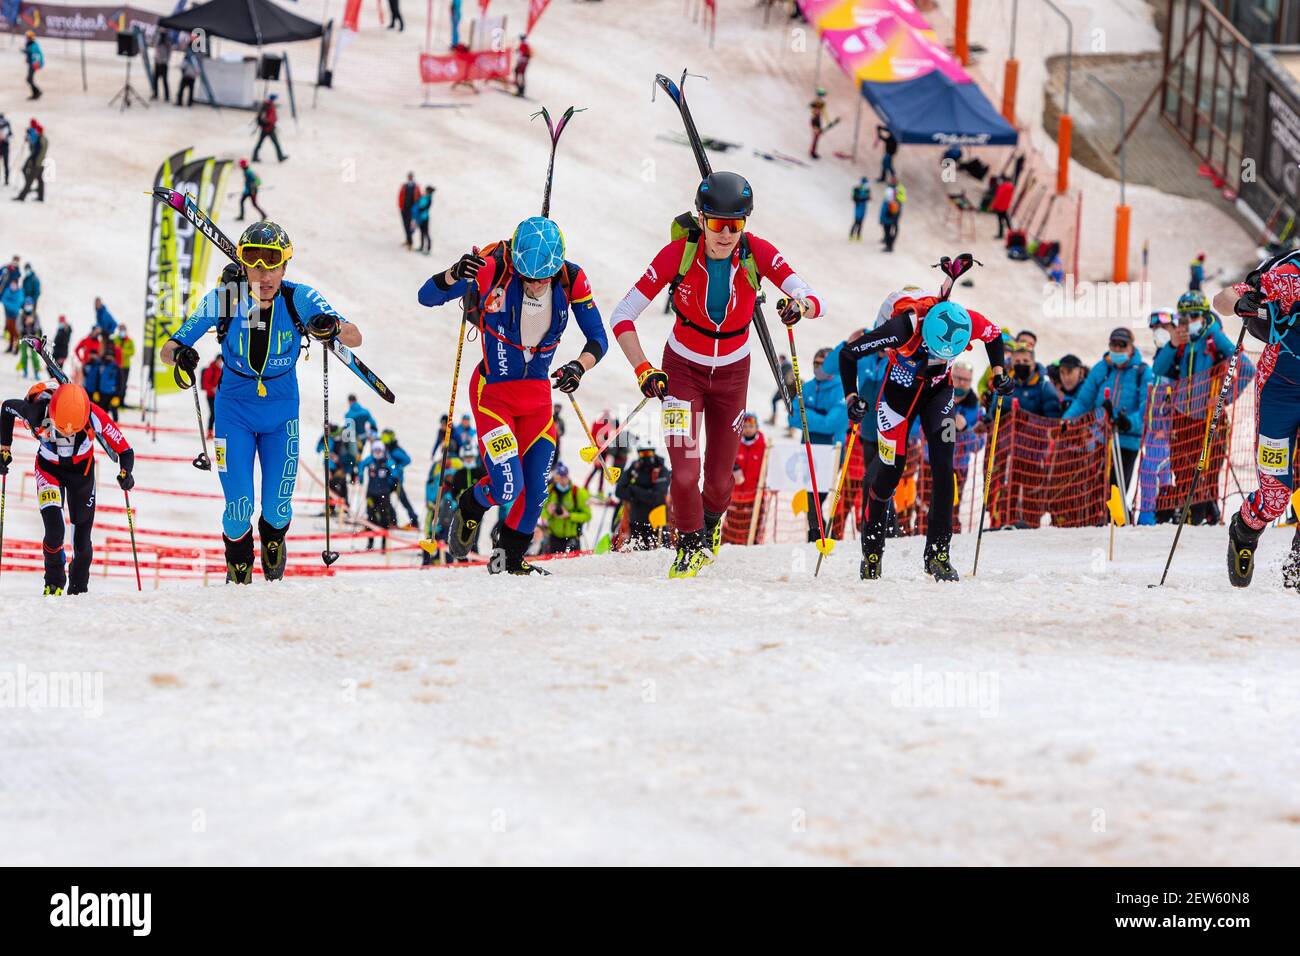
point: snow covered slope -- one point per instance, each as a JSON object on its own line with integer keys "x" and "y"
{"x": 1049, "y": 711}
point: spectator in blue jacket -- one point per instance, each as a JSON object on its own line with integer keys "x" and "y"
{"x": 1197, "y": 342}
{"x": 398, "y": 459}
{"x": 1126, "y": 375}
{"x": 11, "y": 298}
{"x": 361, "y": 418}
{"x": 463, "y": 434}
{"x": 104, "y": 320}
{"x": 1031, "y": 386}
{"x": 31, "y": 285}
{"x": 828, "y": 418}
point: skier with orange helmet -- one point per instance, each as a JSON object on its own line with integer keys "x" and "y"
{"x": 66, "y": 424}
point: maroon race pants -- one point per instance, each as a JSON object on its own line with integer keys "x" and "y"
{"x": 718, "y": 396}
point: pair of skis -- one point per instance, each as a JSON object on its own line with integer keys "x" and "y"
{"x": 190, "y": 210}
{"x": 678, "y": 94}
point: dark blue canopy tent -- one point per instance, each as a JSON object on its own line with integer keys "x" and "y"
{"x": 934, "y": 110}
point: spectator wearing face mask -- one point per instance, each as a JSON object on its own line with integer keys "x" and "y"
{"x": 1030, "y": 386}
{"x": 1126, "y": 376}
{"x": 828, "y": 418}
{"x": 567, "y": 509}
{"x": 1196, "y": 342}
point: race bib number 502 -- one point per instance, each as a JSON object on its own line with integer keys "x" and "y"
{"x": 676, "y": 418}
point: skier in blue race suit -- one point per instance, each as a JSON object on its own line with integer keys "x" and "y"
{"x": 1269, "y": 302}
{"x": 261, "y": 322}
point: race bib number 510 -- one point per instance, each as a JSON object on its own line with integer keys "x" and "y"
{"x": 500, "y": 444}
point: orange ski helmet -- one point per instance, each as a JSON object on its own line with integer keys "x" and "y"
{"x": 69, "y": 409}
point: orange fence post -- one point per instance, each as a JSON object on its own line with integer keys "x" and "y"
{"x": 1064, "y": 132}
{"x": 1010, "y": 74}
{"x": 961, "y": 47}
{"x": 1121, "y": 243}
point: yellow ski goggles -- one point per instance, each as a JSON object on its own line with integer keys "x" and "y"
{"x": 265, "y": 257}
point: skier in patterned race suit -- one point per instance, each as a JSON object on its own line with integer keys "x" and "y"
{"x": 1269, "y": 302}
{"x": 923, "y": 338}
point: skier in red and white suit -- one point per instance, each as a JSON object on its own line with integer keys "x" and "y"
{"x": 706, "y": 358}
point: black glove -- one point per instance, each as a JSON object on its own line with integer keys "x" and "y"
{"x": 567, "y": 376}
{"x": 187, "y": 359}
{"x": 792, "y": 310}
{"x": 1002, "y": 384}
{"x": 858, "y": 408}
{"x": 653, "y": 382}
{"x": 1122, "y": 422}
{"x": 467, "y": 266}
{"x": 233, "y": 273}
{"x": 1248, "y": 305}
{"x": 125, "y": 480}
{"x": 324, "y": 327}
{"x": 5, "y": 457}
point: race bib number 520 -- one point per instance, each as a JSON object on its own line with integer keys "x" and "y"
{"x": 500, "y": 444}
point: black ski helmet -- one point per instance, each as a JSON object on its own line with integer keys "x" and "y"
{"x": 726, "y": 195}
{"x": 267, "y": 241}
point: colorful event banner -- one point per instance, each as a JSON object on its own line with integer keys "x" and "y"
{"x": 463, "y": 66}
{"x": 75, "y": 22}
{"x": 881, "y": 41}
{"x": 178, "y": 256}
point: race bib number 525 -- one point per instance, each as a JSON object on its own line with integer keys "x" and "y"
{"x": 1274, "y": 456}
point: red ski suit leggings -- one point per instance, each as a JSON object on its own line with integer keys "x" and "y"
{"x": 516, "y": 439}
{"x": 718, "y": 395}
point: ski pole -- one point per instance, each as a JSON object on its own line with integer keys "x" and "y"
{"x": 201, "y": 461}
{"x": 1228, "y": 378}
{"x": 807, "y": 443}
{"x": 835, "y": 499}
{"x": 611, "y": 472}
{"x": 4, "y": 491}
{"x": 130, "y": 524}
{"x": 988, "y": 480}
{"x": 589, "y": 453}
{"x": 430, "y": 544}
{"x": 327, "y": 556}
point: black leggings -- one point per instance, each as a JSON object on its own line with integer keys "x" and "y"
{"x": 56, "y": 486}
{"x": 934, "y": 407}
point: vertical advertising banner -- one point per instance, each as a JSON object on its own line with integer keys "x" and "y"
{"x": 162, "y": 241}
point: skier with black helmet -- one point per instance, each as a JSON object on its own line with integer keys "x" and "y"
{"x": 66, "y": 423}
{"x": 713, "y": 269}
{"x": 263, "y": 324}
{"x": 525, "y": 290}
{"x": 923, "y": 337}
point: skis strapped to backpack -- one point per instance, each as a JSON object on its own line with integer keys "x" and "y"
{"x": 190, "y": 210}
{"x": 678, "y": 95}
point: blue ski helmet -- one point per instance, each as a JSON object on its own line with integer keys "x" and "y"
{"x": 946, "y": 330}
{"x": 537, "y": 248}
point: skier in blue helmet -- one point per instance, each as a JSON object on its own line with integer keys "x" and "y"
{"x": 521, "y": 292}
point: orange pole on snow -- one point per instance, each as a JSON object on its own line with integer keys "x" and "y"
{"x": 1064, "y": 132}
{"x": 1009, "y": 76}
{"x": 960, "y": 45}
{"x": 1121, "y": 243}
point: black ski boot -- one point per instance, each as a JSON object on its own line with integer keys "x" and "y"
{"x": 509, "y": 557}
{"x": 1242, "y": 541}
{"x": 1291, "y": 566}
{"x": 464, "y": 524}
{"x": 937, "y": 564}
{"x": 873, "y": 551}
{"x": 239, "y": 559}
{"x": 273, "y": 553}
{"x": 713, "y": 534}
